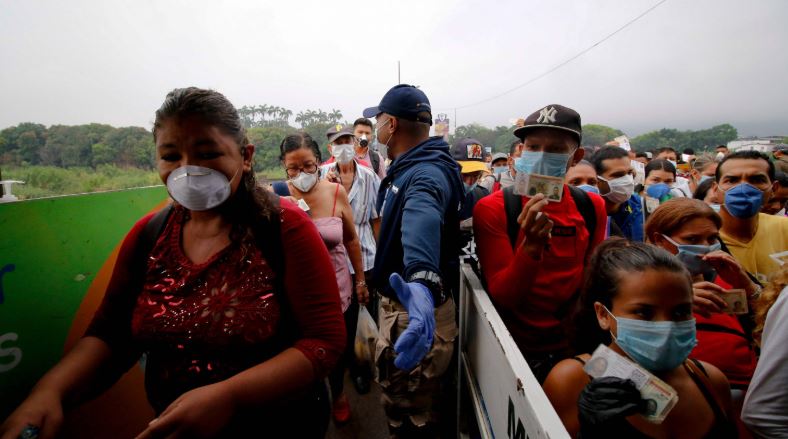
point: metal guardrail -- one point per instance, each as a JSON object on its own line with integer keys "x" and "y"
{"x": 496, "y": 385}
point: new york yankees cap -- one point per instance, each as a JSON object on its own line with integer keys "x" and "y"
{"x": 552, "y": 116}
{"x": 404, "y": 101}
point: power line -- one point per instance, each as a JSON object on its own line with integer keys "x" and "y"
{"x": 578, "y": 55}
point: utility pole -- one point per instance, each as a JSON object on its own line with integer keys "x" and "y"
{"x": 399, "y": 81}
{"x": 455, "y": 120}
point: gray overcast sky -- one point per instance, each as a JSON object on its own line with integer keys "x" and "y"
{"x": 687, "y": 64}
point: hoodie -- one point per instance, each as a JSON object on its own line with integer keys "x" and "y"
{"x": 419, "y": 202}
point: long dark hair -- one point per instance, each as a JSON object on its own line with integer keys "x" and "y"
{"x": 250, "y": 204}
{"x": 660, "y": 165}
{"x": 612, "y": 260}
{"x": 297, "y": 141}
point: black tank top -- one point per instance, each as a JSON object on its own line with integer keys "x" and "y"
{"x": 722, "y": 428}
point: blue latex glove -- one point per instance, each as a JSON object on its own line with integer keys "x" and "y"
{"x": 414, "y": 343}
{"x": 658, "y": 190}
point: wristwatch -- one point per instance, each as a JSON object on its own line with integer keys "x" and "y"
{"x": 432, "y": 281}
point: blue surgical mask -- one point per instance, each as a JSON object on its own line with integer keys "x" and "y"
{"x": 469, "y": 187}
{"x": 498, "y": 170}
{"x": 704, "y": 178}
{"x": 660, "y": 191}
{"x": 589, "y": 188}
{"x": 542, "y": 163}
{"x": 691, "y": 256}
{"x": 743, "y": 200}
{"x": 657, "y": 346}
{"x": 715, "y": 207}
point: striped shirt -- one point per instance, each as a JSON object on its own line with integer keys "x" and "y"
{"x": 362, "y": 196}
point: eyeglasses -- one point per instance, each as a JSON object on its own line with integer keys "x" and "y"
{"x": 293, "y": 171}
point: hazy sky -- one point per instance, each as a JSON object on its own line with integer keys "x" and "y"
{"x": 687, "y": 64}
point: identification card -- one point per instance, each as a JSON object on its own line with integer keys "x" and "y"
{"x": 736, "y": 301}
{"x": 660, "y": 397}
{"x": 528, "y": 185}
{"x": 780, "y": 258}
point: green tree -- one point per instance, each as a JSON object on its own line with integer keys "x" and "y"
{"x": 598, "y": 135}
{"x": 498, "y": 138}
{"x": 266, "y": 141}
{"x": 132, "y": 146}
{"x": 699, "y": 140}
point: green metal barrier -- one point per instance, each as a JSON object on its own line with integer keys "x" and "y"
{"x": 52, "y": 251}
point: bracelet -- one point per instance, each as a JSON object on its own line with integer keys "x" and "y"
{"x": 361, "y": 283}
{"x": 757, "y": 293}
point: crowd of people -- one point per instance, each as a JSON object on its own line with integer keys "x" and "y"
{"x": 243, "y": 298}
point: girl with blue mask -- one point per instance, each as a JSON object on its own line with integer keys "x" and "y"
{"x": 690, "y": 230}
{"x": 637, "y": 300}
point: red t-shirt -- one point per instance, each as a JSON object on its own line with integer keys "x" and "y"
{"x": 532, "y": 295}
{"x": 203, "y": 323}
{"x": 723, "y": 343}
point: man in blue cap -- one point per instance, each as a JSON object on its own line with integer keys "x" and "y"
{"x": 416, "y": 265}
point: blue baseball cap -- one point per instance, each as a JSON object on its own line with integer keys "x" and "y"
{"x": 404, "y": 101}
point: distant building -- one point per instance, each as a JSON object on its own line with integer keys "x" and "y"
{"x": 762, "y": 144}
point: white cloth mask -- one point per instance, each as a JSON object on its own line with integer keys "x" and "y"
{"x": 343, "y": 153}
{"x": 304, "y": 182}
{"x": 621, "y": 189}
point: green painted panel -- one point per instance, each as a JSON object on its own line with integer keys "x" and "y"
{"x": 50, "y": 252}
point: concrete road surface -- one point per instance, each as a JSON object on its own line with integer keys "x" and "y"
{"x": 367, "y": 420}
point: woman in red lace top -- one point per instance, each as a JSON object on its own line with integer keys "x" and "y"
{"x": 231, "y": 307}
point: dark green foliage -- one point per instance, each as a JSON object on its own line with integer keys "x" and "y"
{"x": 700, "y": 140}
{"x": 598, "y": 135}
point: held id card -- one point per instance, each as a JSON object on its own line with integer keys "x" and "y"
{"x": 736, "y": 301}
{"x": 660, "y": 397}
{"x": 528, "y": 185}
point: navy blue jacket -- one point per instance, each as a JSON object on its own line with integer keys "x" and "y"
{"x": 419, "y": 202}
{"x": 630, "y": 220}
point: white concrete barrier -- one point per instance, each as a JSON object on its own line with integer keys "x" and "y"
{"x": 498, "y": 391}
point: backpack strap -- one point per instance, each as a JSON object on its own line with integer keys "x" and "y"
{"x": 699, "y": 375}
{"x": 586, "y": 208}
{"x": 513, "y": 205}
{"x": 375, "y": 159}
{"x": 281, "y": 189}
{"x": 151, "y": 232}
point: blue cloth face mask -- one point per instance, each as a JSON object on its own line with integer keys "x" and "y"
{"x": 659, "y": 191}
{"x": 657, "y": 346}
{"x": 498, "y": 170}
{"x": 743, "y": 200}
{"x": 543, "y": 163}
{"x": 691, "y": 256}
{"x": 589, "y": 188}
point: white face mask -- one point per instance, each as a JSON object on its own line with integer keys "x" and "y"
{"x": 198, "y": 188}
{"x": 621, "y": 189}
{"x": 377, "y": 134}
{"x": 304, "y": 182}
{"x": 344, "y": 153}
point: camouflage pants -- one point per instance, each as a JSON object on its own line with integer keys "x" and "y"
{"x": 412, "y": 394}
